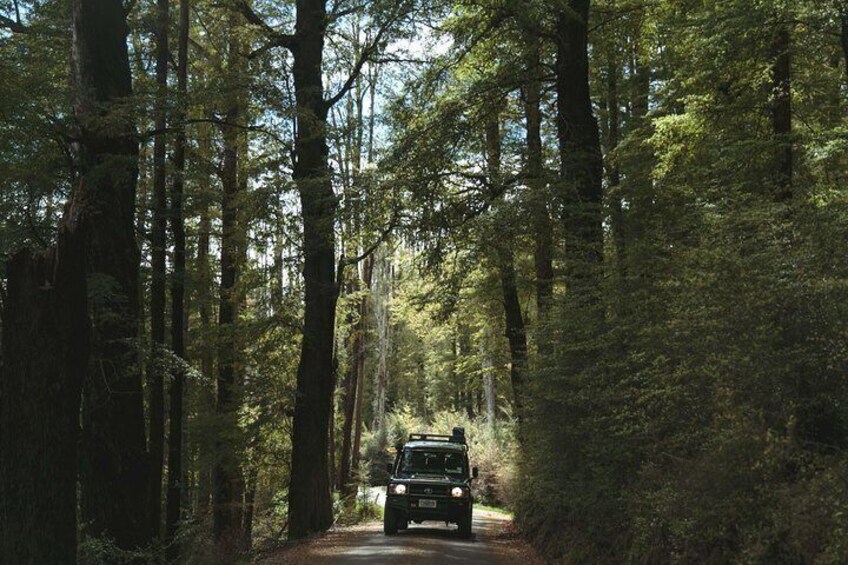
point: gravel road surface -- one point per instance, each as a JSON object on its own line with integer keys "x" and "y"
{"x": 493, "y": 541}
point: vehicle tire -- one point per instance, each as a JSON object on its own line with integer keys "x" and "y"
{"x": 402, "y": 524}
{"x": 390, "y": 522}
{"x": 464, "y": 524}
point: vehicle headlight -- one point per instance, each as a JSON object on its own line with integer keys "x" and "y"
{"x": 457, "y": 492}
{"x": 397, "y": 489}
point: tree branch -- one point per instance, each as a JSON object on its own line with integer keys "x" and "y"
{"x": 364, "y": 57}
{"x": 129, "y": 7}
{"x": 147, "y": 134}
{"x": 283, "y": 40}
{"x": 337, "y": 14}
{"x": 346, "y": 261}
{"x": 276, "y": 38}
{"x": 13, "y": 26}
{"x": 17, "y": 26}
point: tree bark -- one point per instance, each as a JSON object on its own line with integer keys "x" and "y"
{"x": 115, "y": 475}
{"x": 489, "y": 383}
{"x": 367, "y": 271}
{"x": 489, "y": 389}
{"x": 382, "y": 293}
{"x": 42, "y": 367}
{"x": 178, "y": 330}
{"x": 782, "y": 111}
{"x": 207, "y": 352}
{"x": 349, "y": 400}
{"x": 156, "y": 369}
{"x": 843, "y": 36}
{"x": 580, "y": 156}
{"x": 516, "y": 332}
{"x": 331, "y": 424}
{"x": 638, "y": 184}
{"x": 465, "y": 351}
{"x": 613, "y": 171}
{"x": 310, "y": 503}
{"x": 250, "y": 503}
{"x": 228, "y": 479}
{"x": 542, "y": 229}
{"x": 204, "y": 290}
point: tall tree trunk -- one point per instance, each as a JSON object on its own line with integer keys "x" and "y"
{"x": 613, "y": 131}
{"x": 156, "y": 377}
{"x": 228, "y": 479}
{"x": 488, "y": 367}
{"x": 782, "y": 111}
{"x": 204, "y": 289}
{"x": 452, "y": 372}
{"x": 516, "y": 332}
{"x": 353, "y": 411}
{"x": 331, "y": 423}
{"x": 178, "y": 317}
{"x": 542, "y": 229}
{"x": 367, "y": 271}
{"x": 638, "y": 184}
{"x": 465, "y": 351}
{"x": 207, "y": 352}
{"x": 382, "y": 294}
{"x": 310, "y": 504}
{"x": 843, "y": 36}
{"x": 43, "y": 363}
{"x": 349, "y": 399}
{"x": 580, "y": 157}
{"x": 115, "y": 474}
{"x": 250, "y": 503}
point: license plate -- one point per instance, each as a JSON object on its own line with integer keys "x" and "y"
{"x": 425, "y": 503}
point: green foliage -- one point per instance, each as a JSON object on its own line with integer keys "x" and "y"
{"x": 695, "y": 412}
{"x": 100, "y": 551}
{"x": 490, "y": 448}
{"x": 363, "y": 510}
{"x": 703, "y": 418}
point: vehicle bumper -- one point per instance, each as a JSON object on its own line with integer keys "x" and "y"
{"x": 447, "y": 509}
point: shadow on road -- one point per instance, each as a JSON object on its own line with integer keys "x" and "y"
{"x": 427, "y": 543}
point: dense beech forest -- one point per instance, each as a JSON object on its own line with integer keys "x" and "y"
{"x": 249, "y": 245}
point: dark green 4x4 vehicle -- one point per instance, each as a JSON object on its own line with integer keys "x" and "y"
{"x": 430, "y": 480}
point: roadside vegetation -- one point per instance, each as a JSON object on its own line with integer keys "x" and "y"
{"x": 248, "y": 246}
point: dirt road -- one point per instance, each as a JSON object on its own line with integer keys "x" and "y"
{"x": 493, "y": 542}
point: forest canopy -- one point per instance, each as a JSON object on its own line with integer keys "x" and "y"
{"x": 249, "y": 246}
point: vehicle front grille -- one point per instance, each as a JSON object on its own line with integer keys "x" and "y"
{"x": 428, "y": 490}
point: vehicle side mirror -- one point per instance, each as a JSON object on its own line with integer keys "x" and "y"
{"x": 475, "y": 472}
{"x": 389, "y": 468}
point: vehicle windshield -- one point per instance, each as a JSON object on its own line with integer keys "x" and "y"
{"x": 433, "y": 462}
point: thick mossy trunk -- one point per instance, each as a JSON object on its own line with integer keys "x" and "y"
{"x": 310, "y": 503}
{"x": 580, "y": 157}
{"x": 44, "y": 361}
{"x": 115, "y": 471}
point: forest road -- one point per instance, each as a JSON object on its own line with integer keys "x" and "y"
{"x": 428, "y": 543}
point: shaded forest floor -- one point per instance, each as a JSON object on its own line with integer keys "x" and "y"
{"x": 495, "y": 541}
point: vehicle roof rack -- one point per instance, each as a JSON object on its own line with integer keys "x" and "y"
{"x": 458, "y": 436}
